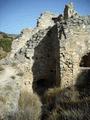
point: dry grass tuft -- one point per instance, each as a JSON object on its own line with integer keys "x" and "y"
{"x": 59, "y": 105}
{"x": 29, "y": 107}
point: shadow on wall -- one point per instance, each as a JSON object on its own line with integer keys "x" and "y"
{"x": 83, "y": 84}
{"x": 83, "y": 79}
{"x": 46, "y": 67}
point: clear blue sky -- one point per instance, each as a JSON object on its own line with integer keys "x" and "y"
{"x": 18, "y": 14}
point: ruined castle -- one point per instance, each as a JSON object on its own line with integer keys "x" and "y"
{"x": 56, "y": 53}
{"x": 55, "y": 58}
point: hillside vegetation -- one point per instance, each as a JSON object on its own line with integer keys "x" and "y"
{"x": 5, "y": 44}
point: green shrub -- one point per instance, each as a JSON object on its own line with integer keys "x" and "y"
{"x": 5, "y": 36}
{"x": 6, "y": 44}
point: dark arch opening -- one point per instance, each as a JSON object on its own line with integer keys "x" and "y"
{"x": 85, "y": 62}
{"x": 83, "y": 80}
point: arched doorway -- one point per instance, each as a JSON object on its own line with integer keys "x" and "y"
{"x": 83, "y": 80}
{"x": 85, "y": 67}
{"x": 85, "y": 61}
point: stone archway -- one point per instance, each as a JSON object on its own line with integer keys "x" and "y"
{"x": 85, "y": 61}
{"x": 83, "y": 80}
{"x": 85, "y": 68}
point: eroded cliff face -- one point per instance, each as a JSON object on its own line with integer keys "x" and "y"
{"x": 48, "y": 56}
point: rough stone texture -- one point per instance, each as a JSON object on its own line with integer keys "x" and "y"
{"x": 46, "y": 58}
{"x": 73, "y": 48}
{"x": 69, "y": 11}
{"x": 45, "y": 20}
{"x": 20, "y": 41}
{"x": 40, "y": 52}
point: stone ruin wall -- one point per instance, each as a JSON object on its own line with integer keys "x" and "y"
{"x": 72, "y": 50}
{"x": 46, "y": 57}
{"x": 41, "y": 53}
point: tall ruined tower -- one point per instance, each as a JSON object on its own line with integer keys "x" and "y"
{"x": 69, "y": 11}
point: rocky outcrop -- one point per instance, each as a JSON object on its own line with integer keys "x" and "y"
{"x": 45, "y": 20}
